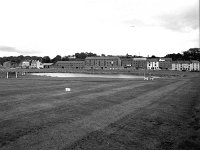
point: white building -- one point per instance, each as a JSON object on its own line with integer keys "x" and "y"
{"x": 152, "y": 64}
{"x": 26, "y": 64}
{"x": 194, "y": 65}
{"x": 181, "y": 65}
{"x": 36, "y": 64}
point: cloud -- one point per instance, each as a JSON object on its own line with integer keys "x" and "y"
{"x": 178, "y": 18}
{"x": 13, "y": 49}
{"x": 135, "y": 22}
{"x": 181, "y": 21}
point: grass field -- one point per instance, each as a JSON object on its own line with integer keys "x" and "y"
{"x": 37, "y": 113}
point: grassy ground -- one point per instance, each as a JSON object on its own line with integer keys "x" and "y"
{"x": 36, "y": 113}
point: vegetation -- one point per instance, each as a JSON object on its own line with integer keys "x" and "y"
{"x": 37, "y": 113}
{"x": 83, "y": 55}
{"x": 45, "y": 59}
{"x": 191, "y": 54}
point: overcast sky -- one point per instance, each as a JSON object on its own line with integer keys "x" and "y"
{"x": 111, "y": 27}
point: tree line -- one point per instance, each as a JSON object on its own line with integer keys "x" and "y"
{"x": 46, "y": 59}
{"x": 191, "y": 54}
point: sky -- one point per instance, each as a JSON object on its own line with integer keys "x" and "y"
{"x": 111, "y": 27}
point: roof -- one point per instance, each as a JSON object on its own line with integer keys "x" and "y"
{"x": 126, "y": 58}
{"x": 152, "y": 59}
{"x": 107, "y": 57}
{"x": 26, "y": 61}
{"x": 180, "y": 62}
{"x": 34, "y": 60}
{"x": 165, "y": 59}
{"x": 47, "y": 64}
{"x": 140, "y": 58}
{"x": 64, "y": 62}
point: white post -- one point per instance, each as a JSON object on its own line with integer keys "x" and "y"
{"x": 7, "y": 75}
{"x": 16, "y": 74}
{"x": 67, "y": 89}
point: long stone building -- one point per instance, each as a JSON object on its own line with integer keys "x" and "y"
{"x": 102, "y": 62}
{"x": 70, "y": 64}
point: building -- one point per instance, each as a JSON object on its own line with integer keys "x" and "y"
{"x": 194, "y": 65}
{"x": 47, "y": 65}
{"x": 139, "y": 63}
{"x": 165, "y": 63}
{"x": 175, "y": 65}
{"x": 108, "y": 62}
{"x": 70, "y": 64}
{"x": 7, "y": 64}
{"x": 26, "y": 64}
{"x": 152, "y": 64}
{"x": 181, "y": 65}
{"x": 126, "y": 62}
{"x": 36, "y": 64}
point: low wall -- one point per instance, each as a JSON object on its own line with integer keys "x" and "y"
{"x": 160, "y": 73}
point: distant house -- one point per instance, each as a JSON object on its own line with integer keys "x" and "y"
{"x": 70, "y": 64}
{"x": 47, "y": 65}
{"x": 165, "y": 63}
{"x": 140, "y": 63}
{"x": 107, "y": 62}
{"x": 26, "y": 64}
{"x": 181, "y": 65}
{"x": 71, "y": 56}
{"x": 194, "y": 65}
{"x": 36, "y": 64}
{"x": 7, "y": 64}
{"x": 152, "y": 64}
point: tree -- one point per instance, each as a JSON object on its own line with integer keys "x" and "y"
{"x": 80, "y": 55}
{"x": 19, "y": 59}
{"x": 36, "y": 58}
{"x": 65, "y": 58}
{"x": 57, "y": 58}
{"x": 192, "y": 54}
{"x": 91, "y": 54}
{"x": 46, "y": 59}
{"x": 83, "y": 55}
{"x": 175, "y": 56}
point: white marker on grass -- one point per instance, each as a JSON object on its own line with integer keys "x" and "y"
{"x": 67, "y": 89}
